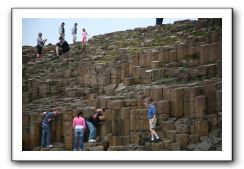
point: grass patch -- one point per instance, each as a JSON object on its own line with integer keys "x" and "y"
{"x": 109, "y": 57}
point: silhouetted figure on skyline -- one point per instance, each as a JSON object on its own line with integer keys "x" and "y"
{"x": 159, "y": 21}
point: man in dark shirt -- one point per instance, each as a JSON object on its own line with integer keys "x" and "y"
{"x": 92, "y": 122}
{"x": 62, "y": 46}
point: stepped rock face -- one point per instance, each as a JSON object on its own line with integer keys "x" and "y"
{"x": 176, "y": 66}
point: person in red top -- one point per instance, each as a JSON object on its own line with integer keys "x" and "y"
{"x": 79, "y": 126}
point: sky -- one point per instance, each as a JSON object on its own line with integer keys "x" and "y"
{"x": 49, "y": 27}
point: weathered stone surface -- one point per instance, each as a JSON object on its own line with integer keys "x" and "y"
{"x": 219, "y": 68}
{"x": 204, "y": 53}
{"x": 201, "y": 128}
{"x": 183, "y": 140}
{"x": 172, "y": 56}
{"x": 181, "y": 51}
{"x": 156, "y": 94}
{"x": 215, "y": 52}
{"x": 175, "y": 147}
{"x": 177, "y": 102}
{"x": 109, "y": 90}
{"x": 178, "y": 67}
{"x": 182, "y": 128}
{"x": 199, "y": 106}
{"x": 163, "y": 107}
{"x": 219, "y": 100}
{"x": 194, "y": 139}
{"x": 210, "y": 93}
{"x": 130, "y": 102}
{"x": 116, "y": 104}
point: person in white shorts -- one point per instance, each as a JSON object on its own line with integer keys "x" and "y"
{"x": 74, "y": 32}
{"x": 151, "y": 114}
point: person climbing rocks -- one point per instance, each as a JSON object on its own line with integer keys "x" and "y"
{"x": 94, "y": 121}
{"x": 151, "y": 114}
{"x": 46, "y": 130}
{"x": 40, "y": 45}
{"x": 74, "y": 32}
{"x": 79, "y": 126}
{"x": 62, "y": 30}
{"x": 62, "y": 46}
{"x": 159, "y": 21}
{"x": 84, "y": 36}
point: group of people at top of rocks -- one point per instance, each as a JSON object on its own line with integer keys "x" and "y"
{"x": 62, "y": 46}
{"x": 92, "y": 122}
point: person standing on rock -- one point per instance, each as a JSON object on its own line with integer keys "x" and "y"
{"x": 159, "y": 21}
{"x": 84, "y": 36}
{"x": 74, "y": 32}
{"x": 62, "y": 46}
{"x": 151, "y": 114}
{"x": 40, "y": 45}
{"x": 46, "y": 131}
{"x": 62, "y": 30}
{"x": 79, "y": 126}
{"x": 92, "y": 122}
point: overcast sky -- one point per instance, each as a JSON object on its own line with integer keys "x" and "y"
{"x": 94, "y": 26}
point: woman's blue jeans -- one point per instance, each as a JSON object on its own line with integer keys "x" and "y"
{"x": 79, "y": 134}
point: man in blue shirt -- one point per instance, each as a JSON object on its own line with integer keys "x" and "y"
{"x": 46, "y": 133}
{"x": 151, "y": 114}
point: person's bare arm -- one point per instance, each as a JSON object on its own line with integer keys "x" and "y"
{"x": 153, "y": 119}
{"x": 43, "y": 113}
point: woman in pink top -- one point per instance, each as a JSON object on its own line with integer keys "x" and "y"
{"x": 79, "y": 126}
{"x": 84, "y": 36}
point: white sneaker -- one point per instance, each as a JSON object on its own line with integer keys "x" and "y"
{"x": 50, "y": 146}
{"x": 91, "y": 141}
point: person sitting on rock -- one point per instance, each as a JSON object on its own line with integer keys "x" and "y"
{"x": 40, "y": 45}
{"x": 92, "y": 122}
{"x": 62, "y": 46}
{"x": 46, "y": 131}
{"x": 151, "y": 113}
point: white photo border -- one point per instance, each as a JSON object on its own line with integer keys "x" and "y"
{"x": 19, "y": 13}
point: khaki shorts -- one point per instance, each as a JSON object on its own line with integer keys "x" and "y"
{"x": 152, "y": 125}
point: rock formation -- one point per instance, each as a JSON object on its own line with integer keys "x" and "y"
{"x": 176, "y": 66}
